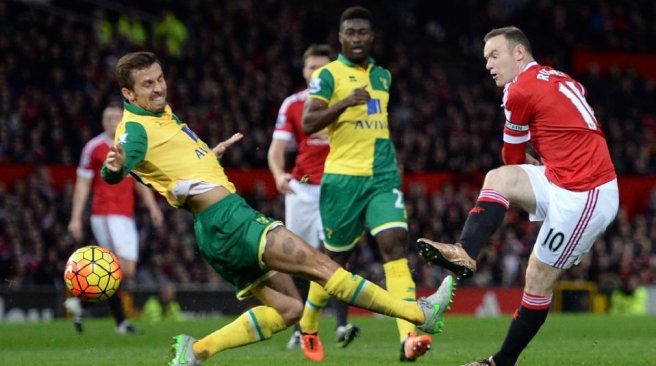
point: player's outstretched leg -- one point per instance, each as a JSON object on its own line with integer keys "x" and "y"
{"x": 450, "y": 256}
{"x": 284, "y": 249}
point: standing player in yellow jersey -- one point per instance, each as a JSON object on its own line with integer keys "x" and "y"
{"x": 361, "y": 185}
{"x": 301, "y": 187}
{"x": 254, "y": 253}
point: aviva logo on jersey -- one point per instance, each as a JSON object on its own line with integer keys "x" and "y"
{"x": 373, "y": 107}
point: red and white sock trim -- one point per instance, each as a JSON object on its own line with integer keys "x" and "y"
{"x": 490, "y": 195}
{"x": 536, "y": 302}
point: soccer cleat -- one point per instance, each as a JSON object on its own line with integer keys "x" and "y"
{"x": 435, "y": 305}
{"x": 450, "y": 256}
{"x": 126, "y": 328}
{"x": 295, "y": 340}
{"x": 312, "y": 347}
{"x": 181, "y": 352}
{"x": 414, "y": 346}
{"x": 345, "y": 334}
{"x": 74, "y": 306}
{"x": 487, "y": 362}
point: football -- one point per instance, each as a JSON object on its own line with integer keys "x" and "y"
{"x": 93, "y": 273}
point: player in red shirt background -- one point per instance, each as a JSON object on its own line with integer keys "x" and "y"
{"x": 112, "y": 214}
{"x": 301, "y": 187}
{"x": 574, "y": 193}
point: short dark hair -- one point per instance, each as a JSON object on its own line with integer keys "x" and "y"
{"x": 356, "y": 12}
{"x": 133, "y": 61}
{"x": 318, "y": 50}
{"x": 513, "y": 34}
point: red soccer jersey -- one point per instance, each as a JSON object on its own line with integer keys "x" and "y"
{"x": 549, "y": 109}
{"x": 108, "y": 199}
{"x": 312, "y": 150}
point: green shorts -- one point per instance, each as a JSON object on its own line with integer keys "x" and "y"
{"x": 231, "y": 236}
{"x": 349, "y": 204}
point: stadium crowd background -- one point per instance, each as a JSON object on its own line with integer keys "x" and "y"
{"x": 231, "y": 63}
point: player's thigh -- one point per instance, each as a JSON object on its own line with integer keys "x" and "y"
{"x": 231, "y": 236}
{"x": 342, "y": 204}
{"x": 117, "y": 233}
{"x": 302, "y": 215}
{"x": 573, "y": 222}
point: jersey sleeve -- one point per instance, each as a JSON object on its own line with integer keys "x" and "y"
{"x": 518, "y": 112}
{"x": 322, "y": 85}
{"x": 85, "y": 167}
{"x": 284, "y": 127}
{"x": 134, "y": 141}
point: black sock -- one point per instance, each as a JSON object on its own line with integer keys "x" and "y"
{"x": 523, "y": 328}
{"x": 341, "y": 312}
{"x": 116, "y": 307}
{"x": 482, "y": 221}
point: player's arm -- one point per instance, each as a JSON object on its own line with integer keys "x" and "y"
{"x": 148, "y": 199}
{"x": 317, "y": 114}
{"x": 276, "y": 159}
{"x": 516, "y": 132}
{"x": 129, "y": 150}
{"x": 81, "y": 194}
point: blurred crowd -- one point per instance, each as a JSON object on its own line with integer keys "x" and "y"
{"x": 230, "y": 64}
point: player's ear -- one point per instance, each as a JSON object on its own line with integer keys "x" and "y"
{"x": 127, "y": 94}
{"x": 519, "y": 52}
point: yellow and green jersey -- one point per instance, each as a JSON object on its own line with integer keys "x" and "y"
{"x": 359, "y": 140}
{"x": 163, "y": 152}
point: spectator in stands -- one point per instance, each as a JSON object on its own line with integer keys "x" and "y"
{"x": 162, "y": 307}
{"x": 630, "y": 298}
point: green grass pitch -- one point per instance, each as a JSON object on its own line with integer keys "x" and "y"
{"x": 564, "y": 340}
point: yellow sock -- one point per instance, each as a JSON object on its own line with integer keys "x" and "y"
{"x": 317, "y": 299}
{"x": 255, "y": 325}
{"x": 357, "y": 291}
{"x": 401, "y": 285}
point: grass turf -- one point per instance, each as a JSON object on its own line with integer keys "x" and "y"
{"x": 564, "y": 340}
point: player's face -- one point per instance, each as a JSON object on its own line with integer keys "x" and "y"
{"x": 501, "y": 60}
{"x": 312, "y": 63}
{"x": 149, "y": 90}
{"x": 356, "y": 38}
{"x": 111, "y": 117}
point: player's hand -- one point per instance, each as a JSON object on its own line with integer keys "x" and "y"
{"x": 75, "y": 228}
{"x": 282, "y": 183}
{"x": 115, "y": 158}
{"x": 358, "y": 96}
{"x": 221, "y": 147}
{"x": 531, "y": 160}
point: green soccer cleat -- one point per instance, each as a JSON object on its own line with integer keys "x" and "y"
{"x": 435, "y": 305}
{"x": 181, "y": 353}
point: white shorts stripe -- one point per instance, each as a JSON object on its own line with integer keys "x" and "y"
{"x": 584, "y": 220}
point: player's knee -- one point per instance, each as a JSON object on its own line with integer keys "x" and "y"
{"x": 501, "y": 179}
{"x": 293, "y": 312}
